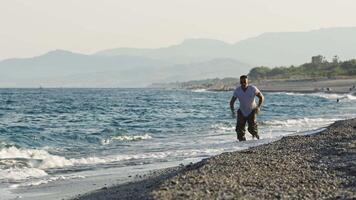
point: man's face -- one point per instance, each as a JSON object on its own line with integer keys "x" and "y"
{"x": 244, "y": 82}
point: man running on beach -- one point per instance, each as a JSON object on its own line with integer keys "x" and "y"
{"x": 248, "y": 109}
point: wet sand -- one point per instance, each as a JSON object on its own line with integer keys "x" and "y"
{"x": 321, "y": 165}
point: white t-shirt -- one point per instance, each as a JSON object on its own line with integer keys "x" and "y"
{"x": 247, "y": 98}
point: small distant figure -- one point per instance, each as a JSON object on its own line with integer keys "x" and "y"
{"x": 337, "y": 100}
{"x": 248, "y": 109}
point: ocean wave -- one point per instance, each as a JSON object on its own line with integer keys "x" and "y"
{"x": 223, "y": 127}
{"x": 126, "y": 138}
{"x": 332, "y": 96}
{"x": 47, "y": 180}
{"x": 21, "y": 173}
{"x": 47, "y": 160}
{"x": 12, "y": 156}
{"x": 15, "y": 174}
{"x": 281, "y": 123}
{"x": 351, "y": 96}
{"x": 199, "y": 90}
{"x": 299, "y": 122}
{"x": 44, "y": 160}
{"x": 132, "y": 137}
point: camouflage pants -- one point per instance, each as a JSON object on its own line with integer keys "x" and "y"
{"x": 241, "y": 123}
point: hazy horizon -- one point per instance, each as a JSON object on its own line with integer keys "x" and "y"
{"x": 170, "y": 45}
{"x": 34, "y": 28}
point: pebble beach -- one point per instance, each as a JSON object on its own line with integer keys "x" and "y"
{"x": 314, "y": 166}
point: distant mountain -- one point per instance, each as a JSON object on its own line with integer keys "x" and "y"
{"x": 294, "y": 48}
{"x": 190, "y": 60}
{"x": 219, "y": 67}
{"x": 269, "y": 49}
{"x": 190, "y": 50}
{"x": 67, "y": 69}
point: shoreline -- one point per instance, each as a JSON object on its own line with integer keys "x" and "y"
{"x": 337, "y": 85}
{"x": 333, "y": 86}
{"x": 320, "y": 165}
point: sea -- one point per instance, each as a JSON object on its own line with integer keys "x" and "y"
{"x": 55, "y": 143}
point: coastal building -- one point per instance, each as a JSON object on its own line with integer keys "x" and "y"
{"x": 336, "y": 59}
{"x": 317, "y": 59}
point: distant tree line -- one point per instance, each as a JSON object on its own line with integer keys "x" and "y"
{"x": 319, "y": 67}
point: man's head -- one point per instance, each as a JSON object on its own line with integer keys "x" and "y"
{"x": 244, "y": 81}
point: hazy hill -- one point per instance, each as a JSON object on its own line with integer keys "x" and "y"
{"x": 66, "y": 69}
{"x": 271, "y": 49}
{"x": 65, "y": 62}
{"x": 276, "y": 49}
{"x": 190, "y": 50}
{"x": 190, "y": 60}
{"x": 219, "y": 67}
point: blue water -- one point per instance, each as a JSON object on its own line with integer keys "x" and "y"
{"x": 50, "y": 132}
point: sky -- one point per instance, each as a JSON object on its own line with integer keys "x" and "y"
{"x": 32, "y": 27}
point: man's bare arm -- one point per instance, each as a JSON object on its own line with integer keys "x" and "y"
{"x": 232, "y": 102}
{"x": 261, "y": 98}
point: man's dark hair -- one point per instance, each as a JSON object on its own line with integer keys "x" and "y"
{"x": 243, "y": 77}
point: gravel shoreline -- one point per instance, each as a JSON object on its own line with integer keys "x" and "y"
{"x": 317, "y": 166}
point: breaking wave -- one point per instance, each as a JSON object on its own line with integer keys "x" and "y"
{"x": 332, "y": 96}
{"x": 132, "y": 137}
{"x": 200, "y": 90}
{"x": 315, "y": 122}
{"x": 38, "y": 161}
{"x": 126, "y": 138}
{"x": 21, "y": 173}
{"x": 47, "y": 180}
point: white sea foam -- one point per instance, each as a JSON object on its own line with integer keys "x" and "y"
{"x": 331, "y": 96}
{"x": 300, "y": 122}
{"x": 351, "y": 97}
{"x": 334, "y": 96}
{"x": 126, "y": 138}
{"x": 105, "y": 141}
{"x": 16, "y": 174}
{"x": 296, "y": 122}
{"x": 21, "y": 173}
{"x": 223, "y": 127}
{"x": 46, "y": 160}
{"x": 199, "y": 90}
{"x": 46, "y": 180}
{"x": 132, "y": 137}
{"x": 292, "y": 93}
